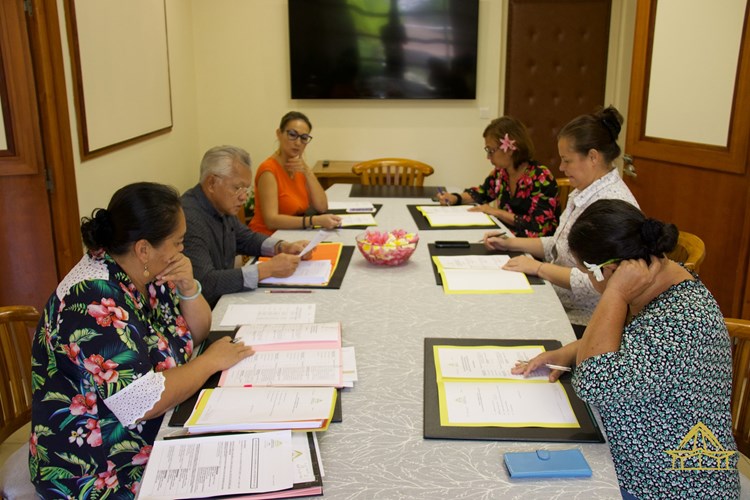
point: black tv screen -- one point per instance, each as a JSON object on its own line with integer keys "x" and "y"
{"x": 383, "y": 49}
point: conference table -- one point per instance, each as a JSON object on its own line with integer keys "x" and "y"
{"x": 378, "y": 450}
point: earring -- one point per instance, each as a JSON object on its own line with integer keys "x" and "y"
{"x": 146, "y": 274}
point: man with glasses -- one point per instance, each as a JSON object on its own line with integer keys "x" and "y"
{"x": 215, "y": 236}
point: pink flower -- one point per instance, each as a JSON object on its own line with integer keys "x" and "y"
{"x": 108, "y": 479}
{"x": 103, "y": 371}
{"x": 133, "y": 487}
{"x": 142, "y": 456}
{"x": 107, "y": 313}
{"x": 189, "y": 347}
{"x": 72, "y": 350}
{"x": 182, "y": 327}
{"x": 95, "y": 436}
{"x": 152, "y": 296}
{"x": 33, "y": 440}
{"x": 507, "y": 144}
{"x": 165, "y": 365}
{"x": 162, "y": 343}
{"x": 81, "y": 405}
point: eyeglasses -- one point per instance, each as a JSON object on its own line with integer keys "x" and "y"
{"x": 237, "y": 189}
{"x": 294, "y": 135}
{"x": 490, "y": 151}
{"x": 596, "y": 269}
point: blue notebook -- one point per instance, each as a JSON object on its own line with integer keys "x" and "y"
{"x": 547, "y": 463}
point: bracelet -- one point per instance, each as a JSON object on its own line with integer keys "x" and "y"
{"x": 312, "y": 225}
{"x": 304, "y": 226}
{"x": 539, "y": 268}
{"x": 190, "y": 297}
{"x": 458, "y": 196}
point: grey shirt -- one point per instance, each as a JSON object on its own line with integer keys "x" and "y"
{"x": 212, "y": 242}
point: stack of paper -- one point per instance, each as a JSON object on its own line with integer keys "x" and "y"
{"x": 459, "y": 215}
{"x": 246, "y": 314}
{"x": 262, "y": 408}
{"x": 477, "y": 389}
{"x": 250, "y": 465}
{"x": 314, "y": 272}
{"x": 479, "y": 274}
{"x": 288, "y": 355}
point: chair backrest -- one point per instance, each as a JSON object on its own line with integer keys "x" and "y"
{"x": 392, "y": 172}
{"x": 563, "y": 190}
{"x": 690, "y": 249}
{"x": 17, "y": 326}
{"x": 739, "y": 333}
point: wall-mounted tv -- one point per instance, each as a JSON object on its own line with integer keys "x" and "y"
{"x": 383, "y": 49}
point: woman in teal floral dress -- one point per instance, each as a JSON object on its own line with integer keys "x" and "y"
{"x": 526, "y": 192}
{"x": 655, "y": 359}
{"x": 111, "y": 353}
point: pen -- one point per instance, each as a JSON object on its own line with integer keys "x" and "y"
{"x": 288, "y": 291}
{"x": 501, "y": 233}
{"x": 235, "y": 340}
{"x": 558, "y": 367}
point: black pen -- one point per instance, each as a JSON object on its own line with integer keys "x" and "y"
{"x": 501, "y": 233}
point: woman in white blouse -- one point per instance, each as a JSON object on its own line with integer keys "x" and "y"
{"x": 588, "y": 148}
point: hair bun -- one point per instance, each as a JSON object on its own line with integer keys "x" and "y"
{"x": 659, "y": 238}
{"x": 97, "y": 231}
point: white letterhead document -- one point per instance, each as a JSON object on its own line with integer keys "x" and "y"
{"x": 321, "y": 236}
{"x": 219, "y": 465}
{"x": 263, "y": 334}
{"x": 487, "y": 362}
{"x": 454, "y": 216}
{"x": 307, "y": 367}
{"x": 479, "y": 273}
{"x": 308, "y": 272}
{"x": 246, "y": 314}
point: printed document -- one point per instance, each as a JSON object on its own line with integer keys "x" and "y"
{"x": 308, "y": 272}
{"x": 305, "y": 367}
{"x": 492, "y": 362}
{"x": 246, "y": 314}
{"x": 454, "y": 216}
{"x": 479, "y": 274}
{"x": 219, "y": 465}
{"x": 277, "y": 336}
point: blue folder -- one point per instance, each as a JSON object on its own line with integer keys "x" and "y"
{"x": 547, "y": 463}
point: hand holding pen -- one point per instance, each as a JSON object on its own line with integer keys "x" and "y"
{"x": 443, "y": 197}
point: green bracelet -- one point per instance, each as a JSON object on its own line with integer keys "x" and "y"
{"x": 191, "y": 297}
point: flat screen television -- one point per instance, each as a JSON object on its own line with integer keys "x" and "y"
{"x": 383, "y": 49}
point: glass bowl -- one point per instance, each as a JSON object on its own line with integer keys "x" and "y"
{"x": 387, "y": 248}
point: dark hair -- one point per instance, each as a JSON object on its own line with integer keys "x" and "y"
{"x": 615, "y": 229}
{"x": 294, "y": 115}
{"x": 139, "y": 211}
{"x": 597, "y": 130}
{"x": 517, "y": 132}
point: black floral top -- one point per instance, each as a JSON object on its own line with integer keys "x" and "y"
{"x": 535, "y": 203}
{"x": 97, "y": 341}
{"x": 668, "y": 388}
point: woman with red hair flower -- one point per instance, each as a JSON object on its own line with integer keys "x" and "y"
{"x": 111, "y": 352}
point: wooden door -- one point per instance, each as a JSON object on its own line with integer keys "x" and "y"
{"x": 28, "y": 267}
{"x": 688, "y": 172}
{"x": 557, "y": 66}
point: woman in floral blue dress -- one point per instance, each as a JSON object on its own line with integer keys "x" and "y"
{"x": 526, "y": 192}
{"x": 111, "y": 353}
{"x": 655, "y": 359}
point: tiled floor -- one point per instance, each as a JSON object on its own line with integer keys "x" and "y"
{"x": 14, "y": 442}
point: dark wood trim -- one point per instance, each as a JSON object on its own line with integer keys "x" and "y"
{"x": 78, "y": 93}
{"x": 733, "y": 157}
{"x": 10, "y": 149}
{"x": 46, "y": 47}
{"x": 24, "y": 160}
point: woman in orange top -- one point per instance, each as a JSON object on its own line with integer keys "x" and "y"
{"x": 286, "y": 190}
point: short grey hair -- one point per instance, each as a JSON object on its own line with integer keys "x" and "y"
{"x": 220, "y": 159}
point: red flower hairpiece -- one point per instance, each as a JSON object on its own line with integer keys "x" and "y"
{"x": 508, "y": 144}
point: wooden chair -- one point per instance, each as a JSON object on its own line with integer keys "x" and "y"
{"x": 392, "y": 172}
{"x": 563, "y": 190}
{"x": 739, "y": 333}
{"x": 17, "y": 326}
{"x": 690, "y": 249}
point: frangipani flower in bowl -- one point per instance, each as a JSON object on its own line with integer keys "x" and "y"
{"x": 387, "y": 248}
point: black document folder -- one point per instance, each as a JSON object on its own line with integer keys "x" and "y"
{"x": 183, "y": 410}
{"x": 589, "y": 431}
{"x": 474, "y": 249}
{"x": 336, "y": 280}
{"x": 362, "y": 191}
{"x": 424, "y": 225}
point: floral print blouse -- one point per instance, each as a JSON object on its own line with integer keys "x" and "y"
{"x": 673, "y": 371}
{"x": 95, "y": 361}
{"x": 534, "y": 204}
